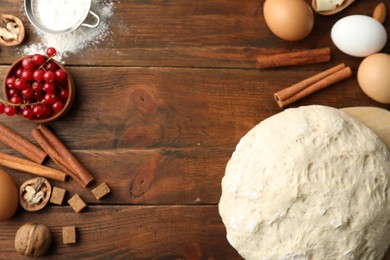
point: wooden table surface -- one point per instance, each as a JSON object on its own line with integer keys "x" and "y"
{"x": 160, "y": 106}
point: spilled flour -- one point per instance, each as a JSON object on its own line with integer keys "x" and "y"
{"x": 77, "y": 40}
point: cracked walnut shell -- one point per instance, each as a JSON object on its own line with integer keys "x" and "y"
{"x": 11, "y": 30}
{"x": 34, "y": 194}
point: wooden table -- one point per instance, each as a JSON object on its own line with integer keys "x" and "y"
{"x": 160, "y": 107}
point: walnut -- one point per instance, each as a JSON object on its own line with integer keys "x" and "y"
{"x": 34, "y": 194}
{"x": 11, "y": 30}
{"x": 32, "y": 240}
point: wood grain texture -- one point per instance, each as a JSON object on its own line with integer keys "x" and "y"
{"x": 377, "y": 119}
{"x": 165, "y": 134}
{"x": 182, "y": 33}
{"x": 160, "y": 105}
{"x": 128, "y": 232}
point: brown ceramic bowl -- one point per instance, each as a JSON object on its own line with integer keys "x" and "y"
{"x": 67, "y": 103}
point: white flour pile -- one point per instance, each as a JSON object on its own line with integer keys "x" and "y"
{"x": 79, "y": 39}
{"x": 64, "y": 14}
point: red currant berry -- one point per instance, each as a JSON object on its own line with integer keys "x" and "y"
{"x": 49, "y": 87}
{"x": 50, "y": 98}
{"x": 10, "y": 82}
{"x": 57, "y": 106}
{"x": 38, "y": 75}
{"x": 51, "y": 51}
{"x": 18, "y": 72}
{"x": 38, "y": 59}
{"x": 49, "y": 76}
{"x": 37, "y": 86}
{"x": 51, "y": 66}
{"x": 2, "y": 107}
{"x": 10, "y": 110}
{"x": 20, "y": 83}
{"x": 27, "y": 75}
{"x": 60, "y": 75}
{"x": 28, "y": 64}
{"x": 38, "y": 110}
{"x": 46, "y": 110}
{"x": 13, "y": 92}
{"x": 27, "y": 113}
{"x": 16, "y": 100}
{"x": 27, "y": 93}
{"x": 64, "y": 93}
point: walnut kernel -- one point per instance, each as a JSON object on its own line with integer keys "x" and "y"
{"x": 34, "y": 194}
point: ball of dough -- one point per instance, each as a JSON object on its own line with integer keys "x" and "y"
{"x": 308, "y": 183}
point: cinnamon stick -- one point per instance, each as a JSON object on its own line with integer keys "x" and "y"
{"x": 61, "y": 155}
{"x": 312, "y": 84}
{"x": 22, "y": 145}
{"x": 28, "y": 166}
{"x": 52, "y": 153}
{"x": 294, "y": 58}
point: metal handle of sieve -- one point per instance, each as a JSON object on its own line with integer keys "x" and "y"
{"x": 92, "y": 25}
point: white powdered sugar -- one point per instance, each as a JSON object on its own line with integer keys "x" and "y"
{"x": 77, "y": 40}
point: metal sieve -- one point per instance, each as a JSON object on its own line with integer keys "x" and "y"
{"x": 34, "y": 17}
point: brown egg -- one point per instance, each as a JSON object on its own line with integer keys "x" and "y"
{"x": 9, "y": 196}
{"x": 290, "y": 20}
{"x": 374, "y": 77}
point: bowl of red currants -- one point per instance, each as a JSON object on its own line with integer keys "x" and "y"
{"x": 38, "y": 88}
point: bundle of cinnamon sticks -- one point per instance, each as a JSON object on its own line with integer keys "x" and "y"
{"x": 309, "y": 85}
{"x": 312, "y": 84}
{"x": 62, "y": 157}
{"x": 51, "y": 146}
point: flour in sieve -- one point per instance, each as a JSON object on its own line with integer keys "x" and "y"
{"x": 79, "y": 39}
{"x": 60, "y": 15}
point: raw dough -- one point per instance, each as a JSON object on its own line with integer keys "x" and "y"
{"x": 308, "y": 183}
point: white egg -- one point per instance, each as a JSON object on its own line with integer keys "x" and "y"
{"x": 359, "y": 35}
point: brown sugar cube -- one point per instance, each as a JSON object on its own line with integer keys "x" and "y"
{"x": 69, "y": 235}
{"x": 57, "y": 195}
{"x": 101, "y": 191}
{"x": 77, "y": 203}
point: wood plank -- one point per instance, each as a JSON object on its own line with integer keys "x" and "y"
{"x": 179, "y": 33}
{"x": 128, "y": 232}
